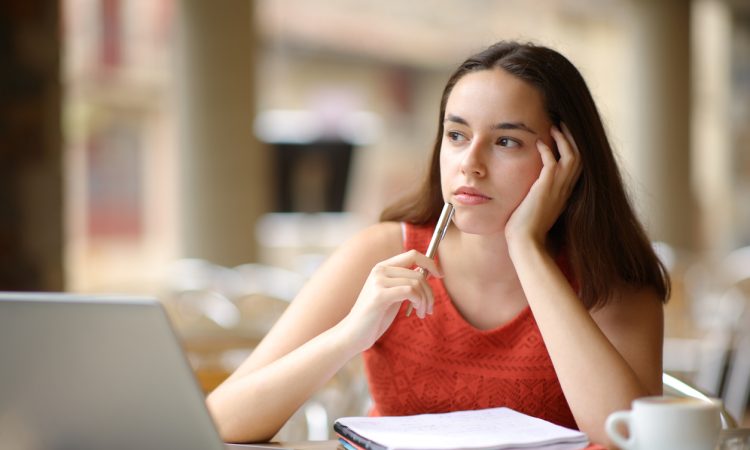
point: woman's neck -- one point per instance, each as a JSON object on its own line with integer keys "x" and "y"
{"x": 482, "y": 259}
{"x": 480, "y": 278}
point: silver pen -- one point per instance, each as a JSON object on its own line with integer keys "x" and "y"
{"x": 442, "y": 226}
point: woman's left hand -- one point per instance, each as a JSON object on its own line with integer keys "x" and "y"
{"x": 546, "y": 199}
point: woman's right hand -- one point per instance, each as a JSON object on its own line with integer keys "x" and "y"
{"x": 389, "y": 284}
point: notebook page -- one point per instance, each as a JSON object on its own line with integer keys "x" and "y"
{"x": 494, "y": 428}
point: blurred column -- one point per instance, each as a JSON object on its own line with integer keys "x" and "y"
{"x": 224, "y": 186}
{"x": 712, "y": 122}
{"x": 31, "y": 182}
{"x": 659, "y": 160}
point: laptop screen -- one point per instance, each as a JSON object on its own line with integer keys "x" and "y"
{"x": 94, "y": 372}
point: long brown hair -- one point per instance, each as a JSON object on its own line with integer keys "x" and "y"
{"x": 598, "y": 231}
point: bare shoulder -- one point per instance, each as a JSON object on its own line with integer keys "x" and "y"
{"x": 628, "y": 305}
{"x": 347, "y": 268}
{"x": 633, "y": 322}
{"x": 342, "y": 275}
{"x": 329, "y": 293}
{"x": 376, "y": 242}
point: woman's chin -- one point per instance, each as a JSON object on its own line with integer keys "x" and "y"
{"x": 479, "y": 227}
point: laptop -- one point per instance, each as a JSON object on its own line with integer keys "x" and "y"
{"x": 96, "y": 372}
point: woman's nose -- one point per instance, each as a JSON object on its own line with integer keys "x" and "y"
{"x": 473, "y": 162}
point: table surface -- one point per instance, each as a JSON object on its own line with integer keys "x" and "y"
{"x": 737, "y": 438}
{"x": 302, "y": 445}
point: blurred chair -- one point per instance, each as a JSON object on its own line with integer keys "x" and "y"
{"x": 690, "y": 349}
{"x": 735, "y": 271}
{"x": 711, "y": 349}
{"x": 268, "y": 280}
{"x": 723, "y": 365}
{"x": 675, "y": 387}
{"x": 222, "y": 313}
{"x": 735, "y": 267}
{"x": 737, "y": 390}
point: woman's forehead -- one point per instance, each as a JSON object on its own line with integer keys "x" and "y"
{"x": 495, "y": 94}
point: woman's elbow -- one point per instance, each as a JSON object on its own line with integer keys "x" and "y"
{"x": 232, "y": 422}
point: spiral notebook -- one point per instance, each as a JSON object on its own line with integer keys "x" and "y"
{"x": 485, "y": 429}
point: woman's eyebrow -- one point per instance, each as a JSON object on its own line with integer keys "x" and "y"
{"x": 457, "y": 119}
{"x": 499, "y": 126}
{"x": 513, "y": 126}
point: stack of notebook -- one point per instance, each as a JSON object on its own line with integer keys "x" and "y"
{"x": 486, "y": 429}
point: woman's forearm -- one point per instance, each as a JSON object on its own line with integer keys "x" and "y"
{"x": 354, "y": 297}
{"x": 254, "y": 406}
{"x": 594, "y": 376}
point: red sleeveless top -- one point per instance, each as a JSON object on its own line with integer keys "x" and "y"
{"x": 442, "y": 363}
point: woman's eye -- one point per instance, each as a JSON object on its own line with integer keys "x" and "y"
{"x": 508, "y": 142}
{"x": 455, "y": 136}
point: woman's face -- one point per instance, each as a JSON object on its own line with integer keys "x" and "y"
{"x": 488, "y": 154}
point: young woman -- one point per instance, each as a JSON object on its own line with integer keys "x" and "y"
{"x": 545, "y": 295}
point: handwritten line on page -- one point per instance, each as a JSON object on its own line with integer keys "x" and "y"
{"x": 485, "y": 429}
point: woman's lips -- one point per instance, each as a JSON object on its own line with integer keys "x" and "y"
{"x": 470, "y": 196}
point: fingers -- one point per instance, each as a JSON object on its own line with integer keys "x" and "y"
{"x": 549, "y": 165}
{"x": 417, "y": 292}
{"x": 569, "y": 165}
{"x": 569, "y": 136}
{"x": 414, "y": 258}
{"x": 548, "y": 158}
{"x": 400, "y": 282}
{"x": 573, "y": 156}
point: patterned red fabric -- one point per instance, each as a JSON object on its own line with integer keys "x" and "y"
{"x": 443, "y": 363}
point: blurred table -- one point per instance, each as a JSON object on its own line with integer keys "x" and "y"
{"x": 300, "y": 445}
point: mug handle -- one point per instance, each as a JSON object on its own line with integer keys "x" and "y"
{"x": 615, "y": 419}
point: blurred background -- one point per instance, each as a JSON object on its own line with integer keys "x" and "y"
{"x": 212, "y": 154}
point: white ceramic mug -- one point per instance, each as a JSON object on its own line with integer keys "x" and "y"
{"x": 664, "y": 423}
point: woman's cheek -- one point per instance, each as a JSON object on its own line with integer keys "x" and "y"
{"x": 446, "y": 172}
{"x": 523, "y": 178}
